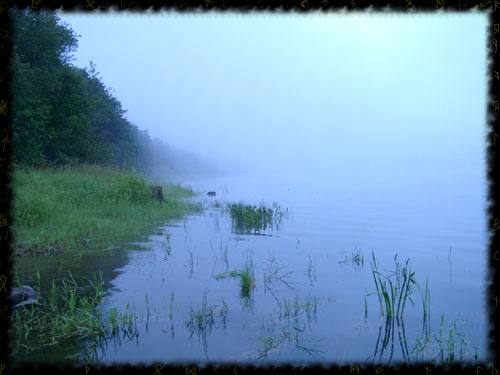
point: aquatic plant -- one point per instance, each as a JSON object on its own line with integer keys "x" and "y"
{"x": 272, "y": 274}
{"x": 69, "y": 311}
{"x": 392, "y": 300}
{"x": 455, "y": 347}
{"x": 254, "y": 219}
{"x": 393, "y": 297}
{"x": 202, "y": 319}
{"x": 287, "y": 335}
{"x": 311, "y": 270}
{"x": 356, "y": 259}
{"x": 246, "y": 276}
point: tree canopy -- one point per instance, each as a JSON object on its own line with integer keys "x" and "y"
{"x": 62, "y": 113}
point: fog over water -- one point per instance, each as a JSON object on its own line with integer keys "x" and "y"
{"x": 367, "y": 129}
{"x": 384, "y": 98}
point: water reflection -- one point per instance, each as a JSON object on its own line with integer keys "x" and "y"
{"x": 285, "y": 330}
{"x": 355, "y": 259}
{"x": 271, "y": 292}
{"x": 273, "y": 273}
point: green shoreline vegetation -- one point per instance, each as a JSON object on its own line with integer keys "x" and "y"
{"x": 78, "y": 162}
{"x": 59, "y": 208}
{"x": 88, "y": 207}
{"x": 78, "y": 183}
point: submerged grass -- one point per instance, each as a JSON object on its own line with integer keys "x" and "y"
{"x": 61, "y": 207}
{"x": 69, "y": 311}
{"x": 202, "y": 319}
{"x": 272, "y": 274}
{"x": 286, "y": 332}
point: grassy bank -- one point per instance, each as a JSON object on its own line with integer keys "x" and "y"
{"x": 59, "y": 208}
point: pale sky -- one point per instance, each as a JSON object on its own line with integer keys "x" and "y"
{"x": 334, "y": 93}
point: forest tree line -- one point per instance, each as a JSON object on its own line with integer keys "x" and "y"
{"x": 65, "y": 114}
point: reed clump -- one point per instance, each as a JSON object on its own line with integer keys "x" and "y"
{"x": 254, "y": 219}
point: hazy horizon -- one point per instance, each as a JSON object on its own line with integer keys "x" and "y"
{"x": 315, "y": 94}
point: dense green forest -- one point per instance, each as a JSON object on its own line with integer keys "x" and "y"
{"x": 65, "y": 114}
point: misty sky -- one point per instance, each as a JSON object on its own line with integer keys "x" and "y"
{"x": 335, "y": 93}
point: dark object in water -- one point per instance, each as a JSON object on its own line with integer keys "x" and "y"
{"x": 157, "y": 193}
{"x": 85, "y": 242}
{"x": 23, "y": 296}
{"x": 211, "y": 193}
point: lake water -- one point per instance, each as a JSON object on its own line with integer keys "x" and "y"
{"x": 315, "y": 308}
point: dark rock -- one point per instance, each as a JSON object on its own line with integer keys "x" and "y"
{"x": 211, "y": 193}
{"x": 23, "y": 296}
{"x": 23, "y": 244}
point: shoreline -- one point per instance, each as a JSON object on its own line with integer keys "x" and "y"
{"x": 75, "y": 209}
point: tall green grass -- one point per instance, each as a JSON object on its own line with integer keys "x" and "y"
{"x": 393, "y": 296}
{"x": 59, "y": 207}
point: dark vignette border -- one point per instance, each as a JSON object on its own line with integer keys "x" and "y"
{"x": 492, "y": 7}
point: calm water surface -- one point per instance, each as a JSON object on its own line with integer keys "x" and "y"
{"x": 316, "y": 311}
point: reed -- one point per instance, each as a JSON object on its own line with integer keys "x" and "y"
{"x": 392, "y": 297}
